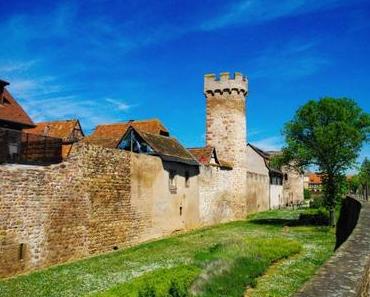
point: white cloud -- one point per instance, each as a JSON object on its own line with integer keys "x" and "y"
{"x": 35, "y": 88}
{"x": 118, "y": 104}
{"x": 273, "y": 143}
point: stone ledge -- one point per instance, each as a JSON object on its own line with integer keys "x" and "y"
{"x": 347, "y": 273}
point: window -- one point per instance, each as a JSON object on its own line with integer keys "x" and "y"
{"x": 187, "y": 179}
{"x": 286, "y": 176}
{"x": 180, "y": 210}
{"x": 3, "y": 100}
{"x": 21, "y": 251}
{"x": 172, "y": 181}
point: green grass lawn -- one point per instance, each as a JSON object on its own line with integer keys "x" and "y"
{"x": 261, "y": 253}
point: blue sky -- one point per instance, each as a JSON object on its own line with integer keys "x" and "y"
{"x": 108, "y": 61}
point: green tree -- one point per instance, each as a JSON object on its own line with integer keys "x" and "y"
{"x": 354, "y": 183}
{"x": 364, "y": 176}
{"x": 328, "y": 134}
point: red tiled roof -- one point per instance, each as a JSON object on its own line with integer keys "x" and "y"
{"x": 203, "y": 154}
{"x": 314, "y": 178}
{"x": 111, "y": 134}
{"x": 58, "y": 129}
{"x": 11, "y": 111}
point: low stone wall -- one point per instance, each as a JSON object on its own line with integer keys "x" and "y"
{"x": 347, "y": 273}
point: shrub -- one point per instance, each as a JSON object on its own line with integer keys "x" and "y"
{"x": 314, "y": 217}
{"x": 307, "y": 194}
{"x": 317, "y": 201}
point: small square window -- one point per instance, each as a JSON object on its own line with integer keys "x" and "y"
{"x": 172, "y": 181}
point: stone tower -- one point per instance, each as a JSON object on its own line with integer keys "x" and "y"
{"x": 226, "y": 120}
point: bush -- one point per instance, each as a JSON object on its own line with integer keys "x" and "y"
{"x": 317, "y": 201}
{"x": 314, "y": 217}
{"x": 306, "y": 194}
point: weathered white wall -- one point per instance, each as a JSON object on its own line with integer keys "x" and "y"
{"x": 255, "y": 163}
{"x": 276, "y": 196}
{"x": 258, "y": 191}
{"x": 150, "y": 182}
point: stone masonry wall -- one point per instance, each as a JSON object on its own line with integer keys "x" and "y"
{"x": 226, "y": 121}
{"x": 226, "y": 131}
{"x": 216, "y": 199}
{"x": 78, "y": 208}
{"x": 292, "y": 186}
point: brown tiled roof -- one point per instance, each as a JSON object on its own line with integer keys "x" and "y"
{"x": 204, "y": 155}
{"x": 11, "y": 111}
{"x": 168, "y": 148}
{"x": 58, "y": 129}
{"x": 110, "y": 135}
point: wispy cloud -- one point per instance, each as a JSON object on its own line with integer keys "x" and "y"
{"x": 18, "y": 66}
{"x": 257, "y": 11}
{"x": 293, "y": 60}
{"x": 35, "y": 88}
{"x": 273, "y": 143}
{"x": 48, "y": 98}
{"x": 119, "y": 104}
{"x": 90, "y": 113}
{"x": 254, "y": 132}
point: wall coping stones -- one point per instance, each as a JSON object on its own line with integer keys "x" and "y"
{"x": 347, "y": 273}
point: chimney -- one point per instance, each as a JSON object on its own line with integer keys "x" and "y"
{"x": 3, "y": 84}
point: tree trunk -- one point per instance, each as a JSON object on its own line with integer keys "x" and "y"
{"x": 332, "y": 221}
{"x": 331, "y": 199}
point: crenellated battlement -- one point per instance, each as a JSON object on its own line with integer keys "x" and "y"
{"x": 225, "y": 83}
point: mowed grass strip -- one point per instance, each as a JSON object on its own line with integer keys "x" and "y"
{"x": 217, "y": 261}
{"x": 220, "y": 270}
